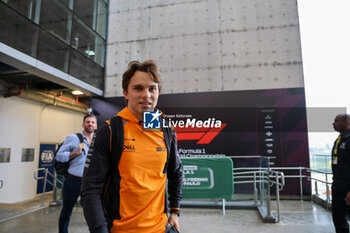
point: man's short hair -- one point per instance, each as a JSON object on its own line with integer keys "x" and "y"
{"x": 148, "y": 66}
{"x": 89, "y": 115}
{"x": 344, "y": 116}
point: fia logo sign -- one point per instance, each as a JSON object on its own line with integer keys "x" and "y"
{"x": 151, "y": 120}
{"x": 47, "y": 156}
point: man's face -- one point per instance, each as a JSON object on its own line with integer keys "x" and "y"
{"x": 142, "y": 94}
{"x": 90, "y": 124}
{"x": 339, "y": 124}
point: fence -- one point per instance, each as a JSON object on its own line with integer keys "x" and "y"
{"x": 262, "y": 178}
{"x": 46, "y": 173}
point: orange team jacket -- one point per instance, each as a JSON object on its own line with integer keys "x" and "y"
{"x": 142, "y": 185}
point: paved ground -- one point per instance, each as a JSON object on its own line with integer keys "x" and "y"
{"x": 8, "y": 211}
{"x": 296, "y": 216}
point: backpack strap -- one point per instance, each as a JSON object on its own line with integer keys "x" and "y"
{"x": 81, "y": 138}
{"x": 116, "y": 140}
{"x": 168, "y": 137}
{"x": 110, "y": 134}
{"x": 110, "y": 200}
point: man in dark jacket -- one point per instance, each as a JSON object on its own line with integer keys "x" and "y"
{"x": 341, "y": 174}
{"x": 135, "y": 190}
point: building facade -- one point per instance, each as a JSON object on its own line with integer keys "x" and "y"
{"x": 47, "y": 49}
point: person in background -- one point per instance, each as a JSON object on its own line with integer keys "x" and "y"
{"x": 341, "y": 174}
{"x": 75, "y": 152}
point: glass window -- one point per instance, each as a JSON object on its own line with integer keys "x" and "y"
{"x": 68, "y": 3}
{"x": 83, "y": 39}
{"x": 23, "y": 6}
{"x": 65, "y": 2}
{"x": 17, "y": 31}
{"x": 56, "y": 19}
{"x": 100, "y": 48}
{"x": 86, "y": 70}
{"x": 85, "y": 9}
{"x": 88, "y": 42}
{"x": 36, "y": 8}
{"x": 101, "y": 22}
{"x": 53, "y": 51}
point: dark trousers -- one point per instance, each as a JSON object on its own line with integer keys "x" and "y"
{"x": 340, "y": 212}
{"x": 70, "y": 194}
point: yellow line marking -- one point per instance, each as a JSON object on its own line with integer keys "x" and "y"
{"x": 16, "y": 207}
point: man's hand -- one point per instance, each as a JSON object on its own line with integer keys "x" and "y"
{"x": 347, "y": 198}
{"x": 80, "y": 149}
{"x": 174, "y": 220}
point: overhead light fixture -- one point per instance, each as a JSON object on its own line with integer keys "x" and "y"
{"x": 90, "y": 52}
{"x": 77, "y": 92}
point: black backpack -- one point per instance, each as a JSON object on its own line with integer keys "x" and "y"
{"x": 61, "y": 168}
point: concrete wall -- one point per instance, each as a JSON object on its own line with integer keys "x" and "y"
{"x": 207, "y": 45}
{"x": 26, "y": 124}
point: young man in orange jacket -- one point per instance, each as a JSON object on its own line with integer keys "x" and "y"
{"x": 136, "y": 191}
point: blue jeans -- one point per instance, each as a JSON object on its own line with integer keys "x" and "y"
{"x": 70, "y": 194}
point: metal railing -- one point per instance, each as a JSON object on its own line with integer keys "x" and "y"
{"x": 255, "y": 175}
{"x": 258, "y": 175}
{"x": 321, "y": 172}
{"x": 309, "y": 177}
{"x": 45, "y": 179}
{"x": 277, "y": 179}
{"x": 299, "y": 176}
{"x": 251, "y": 175}
{"x": 326, "y": 182}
